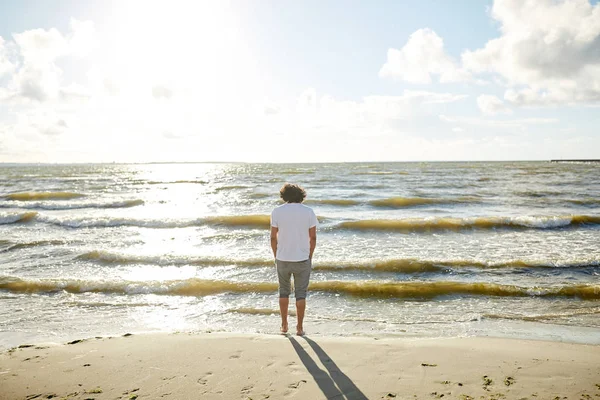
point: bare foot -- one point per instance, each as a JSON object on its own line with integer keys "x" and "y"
{"x": 284, "y": 328}
{"x": 299, "y": 331}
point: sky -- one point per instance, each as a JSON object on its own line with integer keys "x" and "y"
{"x": 301, "y": 81}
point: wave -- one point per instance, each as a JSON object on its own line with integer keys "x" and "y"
{"x": 75, "y": 206}
{"x": 231, "y": 187}
{"x": 537, "y": 194}
{"x": 297, "y": 172}
{"x": 259, "y": 221}
{"x": 260, "y": 195}
{"x": 37, "y": 243}
{"x": 201, "y": 287}
{"x": 544, "y": 317}
{"x": 394, "y": 202}
{"x": 13, "y": 218}
{"x": 263, "y": 221}
{"x": 29, "y": 196}
{"x": 173, "y": 182}
{"x": 401, "y": 202}
{"x": 259, "y": 311}
{"x": 402, "y": 265}
{"x": 440, "y": 224}
{"x": 249, "y": 221}
{"x": 382, "y": 173}
{"x": 584, "y": 202}
{"x": 334, "y": 202}
{"x": 105, "y": 257}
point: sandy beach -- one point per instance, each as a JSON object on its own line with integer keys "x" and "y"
{"x": 233, "y": 366}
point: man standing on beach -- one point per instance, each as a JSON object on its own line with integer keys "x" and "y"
{"x": 293, "y": 240}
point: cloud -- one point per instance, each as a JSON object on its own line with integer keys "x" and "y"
{"x": 35, "y": 75}
{"x": 40, "y": 46}
{"x": 82, "y": 40}
{"x": 368, "y": 117}
{"x": 420, "y": 58}
{"x": 160, "y": 91}
{"x": 491, "y": 105}
{"x": 307, "y": 101}
{"x": 271, "y": 110}
{"x": 495, "y": 123}
{"x": 55, "y": 129}
{"x": 38, "y": 83}
{"x": 548, "y": 52}
{"x": 5, "y": 65}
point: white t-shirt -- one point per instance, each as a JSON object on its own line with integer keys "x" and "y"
{"x": 293, "y": 221}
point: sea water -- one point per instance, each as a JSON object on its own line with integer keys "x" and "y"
{"x": 425, "y": 249}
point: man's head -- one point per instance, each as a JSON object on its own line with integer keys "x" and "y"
{"x": 292, "y": 193}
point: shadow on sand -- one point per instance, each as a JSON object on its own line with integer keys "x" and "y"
{"x": 333, "y": 383}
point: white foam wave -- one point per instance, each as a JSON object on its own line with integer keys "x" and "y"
{"x": 543, "y": 222}
{"x": 71, "y": 206}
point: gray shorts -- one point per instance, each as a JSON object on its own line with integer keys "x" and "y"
{"x": 300, "y": 270}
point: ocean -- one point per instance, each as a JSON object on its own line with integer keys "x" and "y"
{"x": 423, "y": 249}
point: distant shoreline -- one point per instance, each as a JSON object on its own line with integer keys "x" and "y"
{"x": 577, "y": 160}
{"x": 18, "y": 164}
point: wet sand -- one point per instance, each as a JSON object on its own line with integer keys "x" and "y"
{"x": 235, "y": 366}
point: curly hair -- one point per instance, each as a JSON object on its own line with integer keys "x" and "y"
{"x": 291, "y": 193}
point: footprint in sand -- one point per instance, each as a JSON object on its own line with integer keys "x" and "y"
{"x": 236, "y": 355}
{"x": 247, "y": 389}
{"x": 204, "y": 379}
{"x": 296, "y": 385}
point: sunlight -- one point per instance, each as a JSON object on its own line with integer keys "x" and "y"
{"x": 177, "y": 46}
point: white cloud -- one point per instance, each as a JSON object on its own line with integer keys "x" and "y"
{"x": 367, "y": 114}
{"x": 307, "y": 101}
{"x": 491, "y": 105}
{"x": 432, "y": 97}
{"x": 5, "y": 65}
{"x": 420, "y": 58}
{"x": 162, "y": 91}
{"x": 502, "y": 123}
{"x": 82, "y": 41}
{"x": 40, "y": 47}
{"x": 548, "y": 52}
{"x": 40, "y": 83}
{"x": 35, "y": 75}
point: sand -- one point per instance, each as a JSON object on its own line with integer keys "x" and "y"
{"x": 235, "y": 366}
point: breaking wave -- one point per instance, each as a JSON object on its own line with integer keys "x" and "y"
{"x": 13, "y": 218}
{"x": 75, "y": 206}
{"x": 440, "y": 224}
{"x": 200, "y": 287}
{"x": 29, "y": 196}
{"x": 402, "y": 202}
{"x": 37, "y": 243}
{"x": 334, "y": 202}
{"x": 259, "y": 311}
{"x": 402, "y": 265}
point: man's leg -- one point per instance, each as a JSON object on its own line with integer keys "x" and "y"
{"x": 284, "y": 275}
{"x": 301, "y": 279}
{"x": 300, "y": 307}
{"x": 283, "y": 310}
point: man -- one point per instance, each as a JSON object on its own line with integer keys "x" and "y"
{"x": 293, "y": 240}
